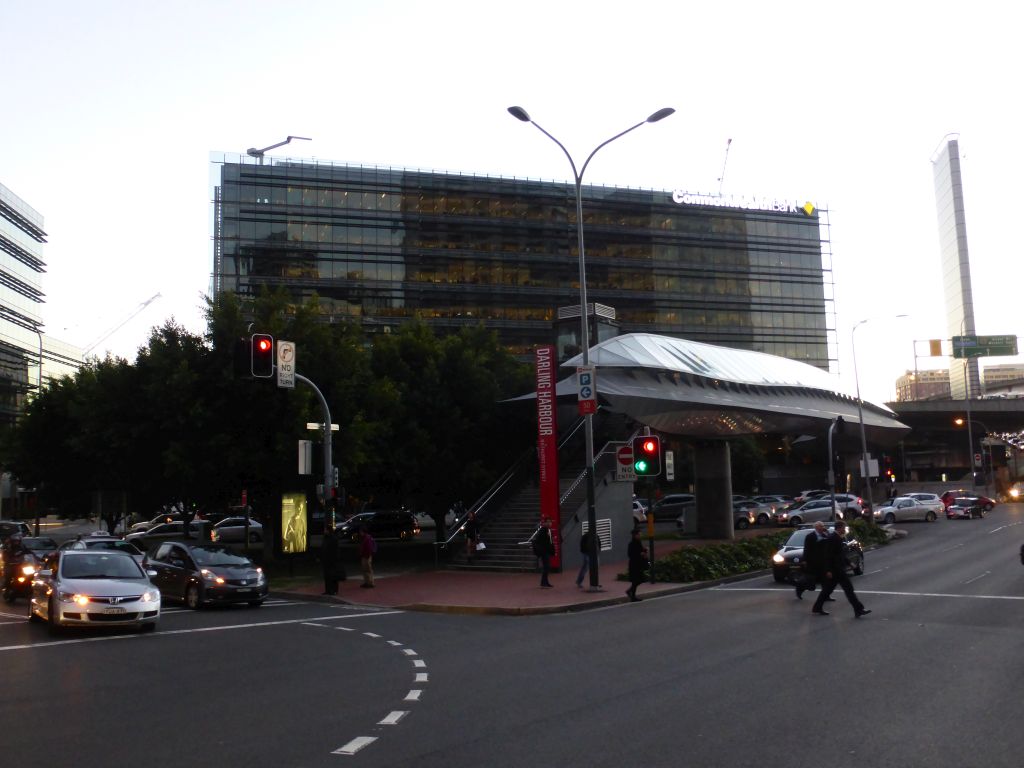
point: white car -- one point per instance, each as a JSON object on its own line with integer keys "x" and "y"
{"x": 812, "y": 511}
{"x": 426, "y": 522}
{"x": 94, "y": 588}
{"x": 639, "y": 511}
{"x": 905, "y": 508}
{"x": 933, "y": 500}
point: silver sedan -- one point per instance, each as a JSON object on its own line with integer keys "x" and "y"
{"x": 94, "y": 588}
{"x": 905, "y": 508}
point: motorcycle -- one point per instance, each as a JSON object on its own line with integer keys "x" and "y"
{"x": 18, "y": 576}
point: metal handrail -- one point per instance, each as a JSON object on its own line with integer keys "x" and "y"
{"x": 480, "y": 506}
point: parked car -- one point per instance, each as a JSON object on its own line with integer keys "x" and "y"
{"x": 206, "y": 574}
{"x": 815, "y": 493}
{"x": 672, "y": 505}
{"x": 787, "y": 561}
{"x": 851, "y": 505}
{"x": 232, "y": 529}
{"x": 426, "y": 522}
{"x": 163, "y": 532}
{"x": 966, "y": 508}
{"x": 762, "y": 512}
{"x": 950, "y": 497}
{"x": 94, "y": 588}
{"x": 742, "y": 517}
{"x": 811, "y": 511}
{"x": 100, "y": 540}
{"x": 933, "y": 500}
{"x": 382, "y": 524}
{"x": 904, "y": 508}
{"x": 10, "y": 527}
{"x": 639, "y": 511}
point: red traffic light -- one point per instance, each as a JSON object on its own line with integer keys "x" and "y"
{"x": 262, "y": 351}
{"x": 647, "y": 455}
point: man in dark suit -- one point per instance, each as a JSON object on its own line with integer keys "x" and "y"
{"x": 835, "y": 573}
{"x": 813, "y": 570}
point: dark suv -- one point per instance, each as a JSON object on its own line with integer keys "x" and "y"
{"x": 382, "y": 524}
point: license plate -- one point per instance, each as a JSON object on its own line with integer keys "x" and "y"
{"x": 244, "y": 589}
{"x": 113, "y": 610}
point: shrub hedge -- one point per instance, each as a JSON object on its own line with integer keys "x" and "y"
{"x": 717, "y": 561}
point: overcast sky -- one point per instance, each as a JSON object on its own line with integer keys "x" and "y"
{"x": 111, "y": 110}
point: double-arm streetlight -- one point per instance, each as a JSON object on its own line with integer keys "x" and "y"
{"x": 865, "y": 474}
{"x": 588, "y": 420}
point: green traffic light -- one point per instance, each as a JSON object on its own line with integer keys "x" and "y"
{"x": 640, "y": 466}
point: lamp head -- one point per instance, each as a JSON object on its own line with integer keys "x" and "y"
{"x": 661, "y": 114}
{"x": 519, "y": 114}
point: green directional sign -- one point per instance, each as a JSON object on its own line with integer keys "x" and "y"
{"x": 984, "y": 346}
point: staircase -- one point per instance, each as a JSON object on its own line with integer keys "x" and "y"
{"x": 502, "y": 534}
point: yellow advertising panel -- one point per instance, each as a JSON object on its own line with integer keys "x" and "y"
{"x": 293, "y": 522}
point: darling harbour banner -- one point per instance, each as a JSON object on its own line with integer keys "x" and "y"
{"x": 547, "y": 442}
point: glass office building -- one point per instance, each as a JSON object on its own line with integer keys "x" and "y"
{"x": 381, "y": 245}
{"x": 22, "y": 341}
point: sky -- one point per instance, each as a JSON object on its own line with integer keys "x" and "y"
{"x": 111, "y": 111}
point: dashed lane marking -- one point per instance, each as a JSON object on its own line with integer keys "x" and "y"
{"x": 393, "y": 718}
{"x": 355, "y": 745}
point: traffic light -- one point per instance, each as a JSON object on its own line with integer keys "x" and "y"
{"x": 262, "y": 355}
{"x": 647, "y": 455}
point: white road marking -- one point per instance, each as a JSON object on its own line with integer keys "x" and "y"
{"x": 868, "y": 573}
{"x": 950, "y": 549}
{"x": 371, "y": 634}
{"x": 165, "y": 632}
{"x": 409, "y": 652}
{"x": 394, "y": 642}
{"x": 422, "y": 677}
{"x": 346, "y": 629}
{"x": 393, "y": 718}
{"x": 879, "y": 592}
{"x": 419, "y": 663}
{"x": 982, "y": 576}
{"x": 355, "y": 745}
{"x": 413, "y": 695}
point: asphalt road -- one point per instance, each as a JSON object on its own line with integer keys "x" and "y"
{"x": 737, "y": 675}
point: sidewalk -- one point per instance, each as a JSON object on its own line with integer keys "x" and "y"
{"x": 486, "y": 592}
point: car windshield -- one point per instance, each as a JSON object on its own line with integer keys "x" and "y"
{"x": 100, "y": 566}
{"x": 216, "y": 555}
{"x": 39, "y": 545}
{"x": 798, "y": 537}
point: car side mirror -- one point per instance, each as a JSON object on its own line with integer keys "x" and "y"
{"x": 151, "y": 573}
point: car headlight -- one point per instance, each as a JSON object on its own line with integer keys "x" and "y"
{"x": 778, "y": 559}
{"x": 211, "y": 576}
{"x": 28, "y": 570}
{"x": 150, "y": 596}
{"x": 72, "y": 597}
{"x": 260, "y": 576}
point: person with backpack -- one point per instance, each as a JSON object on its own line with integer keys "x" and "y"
{"x": 367, "y": 549}
{"x": 544, "y": 548}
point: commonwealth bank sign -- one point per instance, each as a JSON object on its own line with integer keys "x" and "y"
{"x": 741, "y": 201}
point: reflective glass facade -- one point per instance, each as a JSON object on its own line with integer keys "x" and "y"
{"x": 381, "y": 245}
{"x": 22, "y": 341}
{"x": 956, "y": 263}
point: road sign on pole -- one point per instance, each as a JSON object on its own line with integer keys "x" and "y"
{"x": 984, "y": 346}
{"x": 286, "y": 364}
{"x": 587, "y": 389}
{"x": 624, "y": 471}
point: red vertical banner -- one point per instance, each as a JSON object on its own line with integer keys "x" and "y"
{"x": 547, "y": 445}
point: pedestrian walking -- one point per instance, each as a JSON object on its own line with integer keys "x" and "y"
{"x": 330, "y": 562}
{"x": 472, "y": 532}
{"x": 544, "y": 548}
{"x": 637, "y": 553}
{"x": 813, "y": 560}
{"x": 835, "y": 573}
{"x": 588, "y": 563}
{"x": 367, "y": 549}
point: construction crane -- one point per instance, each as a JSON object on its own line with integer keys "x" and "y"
{"x": 121, "y": 324}
{"x": 721, "y": 179}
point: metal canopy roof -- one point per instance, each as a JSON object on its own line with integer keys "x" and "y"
{"x": 689, "y": 388}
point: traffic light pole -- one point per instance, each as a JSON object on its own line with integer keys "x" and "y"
{"x": 328, "y": 471}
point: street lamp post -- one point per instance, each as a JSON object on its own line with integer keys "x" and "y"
{"x": 970, "y": 450}
{"x": 865, "y": 477}
{"x": 588, "y": 420}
